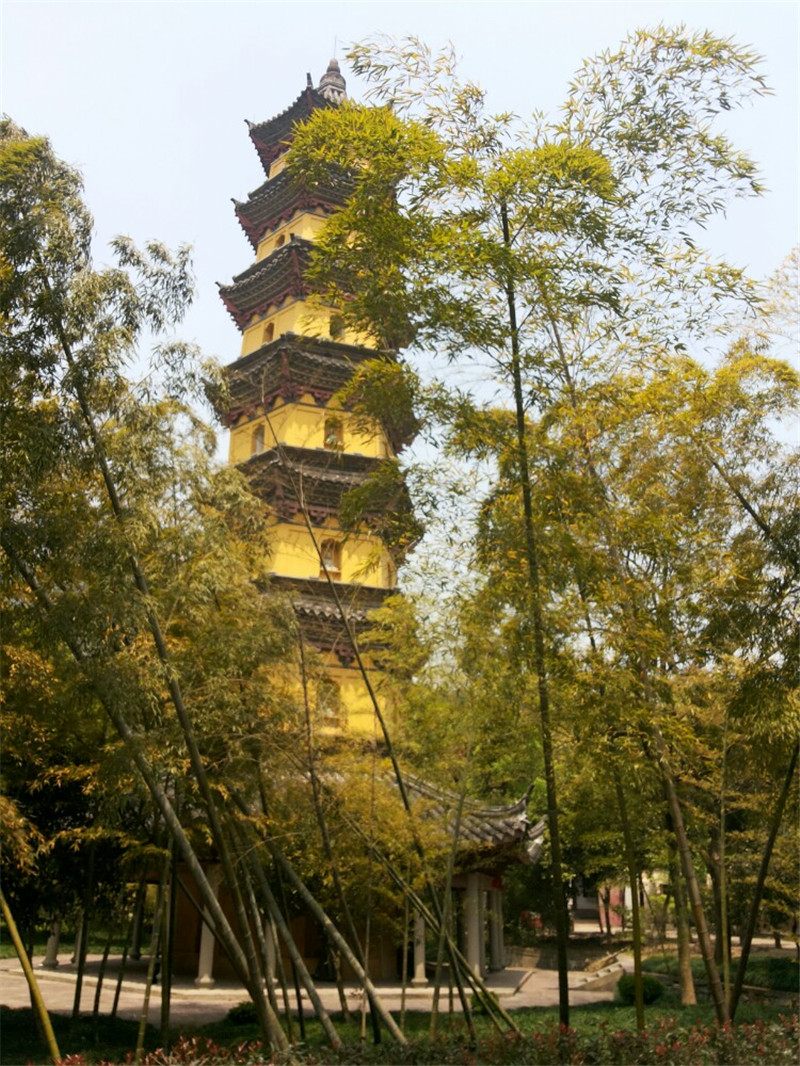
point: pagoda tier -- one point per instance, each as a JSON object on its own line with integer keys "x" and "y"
{"x": 278, "y": 476}
{"x": 319, "y": 617}
{"x": 271, "y": 138}
{"x": 292, "y": 367}
{"x": 268, "y": 282}
{"x": 281, "y": 197}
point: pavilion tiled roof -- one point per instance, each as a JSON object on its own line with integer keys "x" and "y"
{"x": 278, "y": 199}
{"x": 268, "y": 282}
{"x": 483, "y": 828}
{"x": 272, "y": 137}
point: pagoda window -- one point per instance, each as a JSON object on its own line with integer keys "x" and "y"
{"x": 257, "y": 440}
{"x": 333, "y": 434}
{"x": 269, "y": 332}
{"x": 329, "y": 701}
{"x": 280, "y": 241}
{"x": 331, "y": 552}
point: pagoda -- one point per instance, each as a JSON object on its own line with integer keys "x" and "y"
{"x": 299, "y": 448}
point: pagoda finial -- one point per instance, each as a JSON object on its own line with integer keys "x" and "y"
{"x": 332, "y": 85}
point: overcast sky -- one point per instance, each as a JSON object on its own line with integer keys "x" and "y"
{"x": 149, "y": 100}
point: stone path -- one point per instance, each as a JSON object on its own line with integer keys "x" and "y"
{"x": 192, "y": 1007}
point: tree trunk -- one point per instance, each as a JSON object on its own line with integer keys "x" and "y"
{"x": 685, "y": 975}
{"x": 758, "y": 892}
{"x": 130, "y": 940}
{"x": 326, "y": 843}
{"x": 606, "y": 898}
{"x": 692, "y": 887}
{"x": 447, "y": 908}
{"x": 101, "y": 973}
{"x": 155, "y": 941}
{"x": 540, "y": 659}
{"x": 269, "y": 1024}
{"x": 168, "y": 942}
{"x": 390, "y": 750}
{"x": 339, "y": 940}
{"x": 83, "y": 946}
{"x": 630, "y": 859}
{"x": 287, "y": 1009}
{"x": 713, "y": 864}
{"x": 301, "y": 970}
{"x": 36, "y": 996}
{"x": 105, "y": 692}
{"x": 261, "y": 940}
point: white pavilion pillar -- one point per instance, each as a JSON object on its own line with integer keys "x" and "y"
{"x": 80, "y": 929}
{"x": 51, "y": 952}
{"x": 138, "y": 922}
{"x": 205, "y": 961}
{"x": 419, "y": 979}
{"x": 473, "y": 925}
{"x": 497, "y": 959}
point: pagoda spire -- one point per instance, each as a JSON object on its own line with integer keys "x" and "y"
{"x": 332, "y": 85}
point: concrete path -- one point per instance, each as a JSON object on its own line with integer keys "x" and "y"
{"x": 192, "y": 1007}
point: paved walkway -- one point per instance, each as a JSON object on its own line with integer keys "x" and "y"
{"x": 192, "y": 1007}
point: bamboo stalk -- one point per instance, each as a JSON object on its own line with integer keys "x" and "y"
{"x": 33, "y": 985}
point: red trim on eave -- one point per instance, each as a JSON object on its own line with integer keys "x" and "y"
{"x": 241, "y": 318}
{"x": 250, "y": 229}
{"x": 255, "y": 233}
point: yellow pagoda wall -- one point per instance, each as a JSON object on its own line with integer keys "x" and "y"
{"x": 301, "y": 224}
{"x": 364, "y": 559}
{"x": 298, "y": 316}
{"x": 302, "y": 425}
{"x": 358, "y": 715}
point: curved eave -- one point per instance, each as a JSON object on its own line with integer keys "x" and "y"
{"x": 293, "y": 366}
{"x": 318, "y": 615}
{"x": 278, "y": 200}
{"x": 289, "y": 366}
{"x": 325, "y": 477}
{"x": 489, "y": 834}
{"x": 270, "y": 138}
{"x": 268, "y": 283}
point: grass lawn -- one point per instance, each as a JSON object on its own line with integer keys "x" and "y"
{"x": 781, "y": 973}
{"x": 66, "y": 946}
{"x": 601, "y": 1033}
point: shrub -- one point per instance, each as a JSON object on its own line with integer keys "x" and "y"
{"x": 652, "y": 989}
{"x": 242, "y": 1014}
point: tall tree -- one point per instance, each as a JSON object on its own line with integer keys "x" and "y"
{"x": 121, "y": 543}
{"x": 484, "y": 237}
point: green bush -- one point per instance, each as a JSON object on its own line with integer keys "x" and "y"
{"x": 652, "y": 989}
{"x": 242, "y": 1014}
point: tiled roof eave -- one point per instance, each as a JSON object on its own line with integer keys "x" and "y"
{"x": 270, "y": 138}
{"x": 268, "y": 283}
{"x": 278, "y": 200}
{"x": 289, "y": 367}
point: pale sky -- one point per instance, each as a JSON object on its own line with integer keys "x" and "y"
{"x": 149, "y": 100}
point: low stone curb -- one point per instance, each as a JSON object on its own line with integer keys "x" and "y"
{"x": 602, "y": 980}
